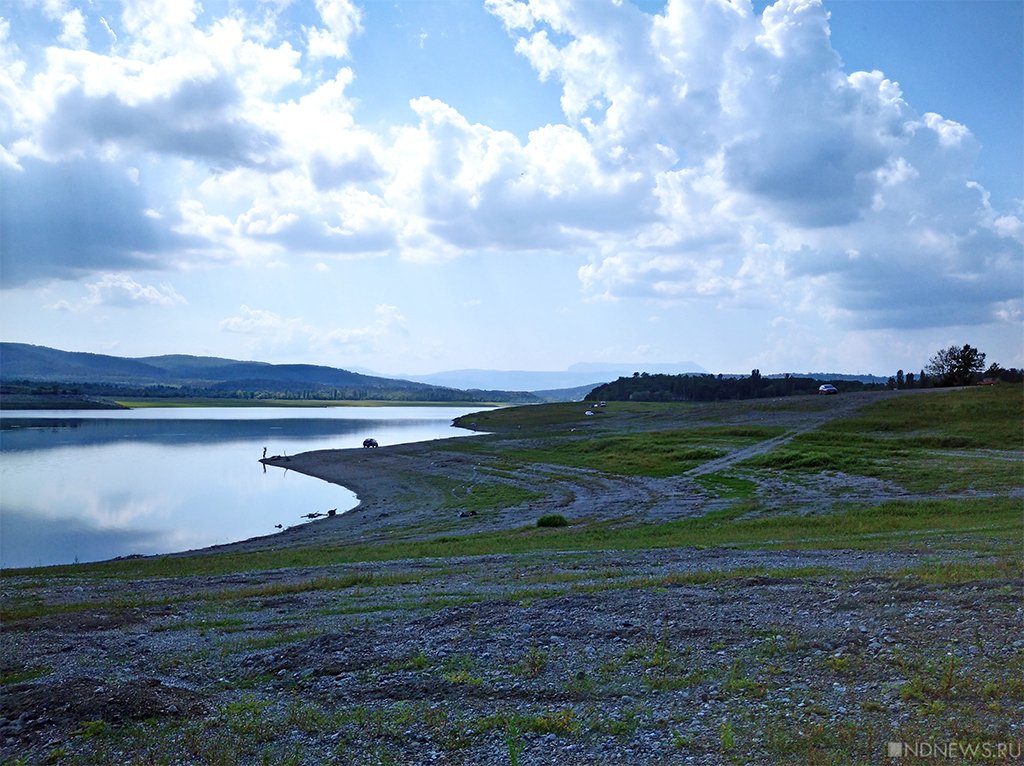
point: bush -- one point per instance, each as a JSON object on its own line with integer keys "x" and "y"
{"x": 552, "y": 520}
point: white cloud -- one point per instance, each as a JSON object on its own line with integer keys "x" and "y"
{"x": 342, "y": 20}
{"x": 707, "y": 154}
{"x": 121, "y": 290}
{"x": 785, "y": 163}
{"x": 73, "y": 32}
{"x": 174, "y": 89}
{"x": 260, "y": 322}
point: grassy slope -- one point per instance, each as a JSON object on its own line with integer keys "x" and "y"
{"x": 939, "y": 442}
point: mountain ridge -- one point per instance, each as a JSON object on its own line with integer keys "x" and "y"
{"x": 189, "y": 376}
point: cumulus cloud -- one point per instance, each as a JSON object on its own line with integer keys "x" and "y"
{"x": 251, "y": 321}
{"x": 193, "y": 121}
{"x": 707, "y": 153}
{"x": 75, "y": 218}
{"x": 341, "y": 20}
{"x": 123, "y": 291}
{"x": 780, "y": 164}
{"x": 466, "y": 187}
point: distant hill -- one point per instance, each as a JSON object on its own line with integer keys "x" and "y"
{"x": 197, "y": 376}
{"x": 22, "y": 361}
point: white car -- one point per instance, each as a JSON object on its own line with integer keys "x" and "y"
{"x": 827, "y": 388}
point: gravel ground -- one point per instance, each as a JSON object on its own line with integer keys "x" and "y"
{"x": 672, "y": 656}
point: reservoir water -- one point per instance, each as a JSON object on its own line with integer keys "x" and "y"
{"x": 88, "y": 485}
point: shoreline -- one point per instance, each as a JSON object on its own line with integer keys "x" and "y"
{"x": 382, "y": 479}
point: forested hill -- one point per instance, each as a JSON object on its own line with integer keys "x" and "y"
{"x": 28, "y": 369}
{"x": 710, "y": 388}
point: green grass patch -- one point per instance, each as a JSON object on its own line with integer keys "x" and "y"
{"x": 649, "y": 453}
{"x": 267, "y": 642}
{"x": 655, "y": 455}
{"x": 20, "y": 676}
{"x": 990, "y": 417}
{"x": 728, "y": 487}
{"x": 487, "y": 496}
{"x": 925, "y": 442}
{"x": 1007, "y": 567}
{"x": 552, "y": 520}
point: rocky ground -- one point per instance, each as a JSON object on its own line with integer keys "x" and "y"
{"x": 671, "y": 656}
{"x": 676, "y": 656}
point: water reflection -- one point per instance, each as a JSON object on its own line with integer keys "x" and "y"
{"x": 90, "y": 486}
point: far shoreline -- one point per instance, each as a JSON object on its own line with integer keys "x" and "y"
{"x": 62, "y": 402}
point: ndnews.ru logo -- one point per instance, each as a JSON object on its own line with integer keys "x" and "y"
{"x": 955, "y": 750}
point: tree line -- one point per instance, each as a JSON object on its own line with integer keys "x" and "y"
{"x": 240, "y": 390}
{"x": 956, "y": 366}
{"x": 953, "y": 366}
{"x": 643, "y": 387}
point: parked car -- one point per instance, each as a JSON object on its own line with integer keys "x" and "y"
{"x": 827, "y": 388}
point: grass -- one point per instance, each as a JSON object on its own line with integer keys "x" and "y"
{"x": 728, "y": 487}
{"x": 486, "y": 496}
{"x": 903, "y": 523}
{"x": 33, "y": 608}
{"x": 20, "y": 676}
{"x": 934, "y": 442}
{"x": 552, "y": 520}
{"x": 651, "y": 453}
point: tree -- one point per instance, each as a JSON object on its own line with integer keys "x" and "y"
{"x": 956, "y": 366}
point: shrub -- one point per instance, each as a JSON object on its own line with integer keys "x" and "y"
{"x": 552, "y": 520}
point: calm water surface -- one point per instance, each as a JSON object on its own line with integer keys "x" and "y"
{"x": 87, "y": 485}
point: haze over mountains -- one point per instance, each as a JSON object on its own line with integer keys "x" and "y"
{"x": 583, "y": 374}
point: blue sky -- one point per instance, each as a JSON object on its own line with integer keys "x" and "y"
{"x": 418, "y": 186}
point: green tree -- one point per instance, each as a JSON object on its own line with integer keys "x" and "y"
{"x": 956, "y": 366}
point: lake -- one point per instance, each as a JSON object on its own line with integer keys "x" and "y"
{"x": 89, "y": 485}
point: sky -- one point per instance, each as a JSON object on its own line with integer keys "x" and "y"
{"x": 410, "y": 187}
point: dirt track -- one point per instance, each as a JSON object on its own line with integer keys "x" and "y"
{"x": 397, "y": 496}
